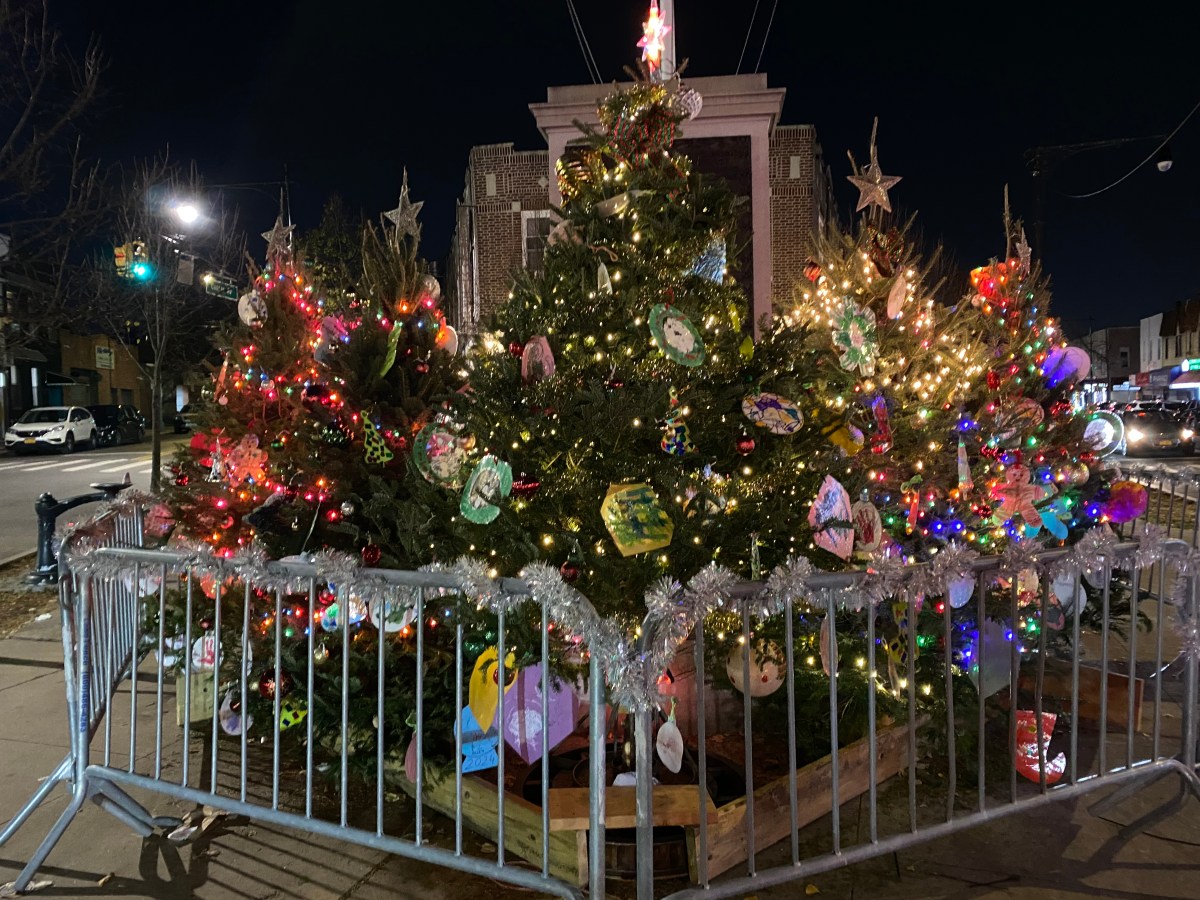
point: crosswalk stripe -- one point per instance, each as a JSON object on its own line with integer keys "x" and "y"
{"x": 121, "y": 468}
{"x": 40, "y": 466}
{"x": 93, "y": 465}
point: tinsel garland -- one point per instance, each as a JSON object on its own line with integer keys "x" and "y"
{"x": 674, "y": 609}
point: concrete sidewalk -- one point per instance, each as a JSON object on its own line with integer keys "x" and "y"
{"x": 1059, "y": 852}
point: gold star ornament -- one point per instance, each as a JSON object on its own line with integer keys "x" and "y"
{"x": 872, "y": 184}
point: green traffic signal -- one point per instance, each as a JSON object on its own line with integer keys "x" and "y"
{"x": 141, "y": 271}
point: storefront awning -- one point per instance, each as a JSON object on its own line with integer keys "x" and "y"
{"x": 28, "y": 354}
{"x": 59, "y": 378}
{"x": 1186, "y": 380}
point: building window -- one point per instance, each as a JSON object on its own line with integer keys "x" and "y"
{"x": 535, "y": 229}
{"x": 1123, "y": 357}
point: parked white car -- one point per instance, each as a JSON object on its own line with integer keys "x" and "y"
{"x": 58, "y": 427}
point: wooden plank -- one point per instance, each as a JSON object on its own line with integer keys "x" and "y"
{"x": 522, "y": 822}
{"x": 674, "y": 804}
{"x": 1057, "y": 686}
{"x": 814, "y": 799}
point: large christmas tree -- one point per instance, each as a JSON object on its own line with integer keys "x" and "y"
{"x": 632, "y": 425}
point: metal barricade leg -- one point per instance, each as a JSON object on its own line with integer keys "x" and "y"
{"x": 62, "y": 773}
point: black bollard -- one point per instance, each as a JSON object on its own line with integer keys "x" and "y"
{"x": 48, "y": 510}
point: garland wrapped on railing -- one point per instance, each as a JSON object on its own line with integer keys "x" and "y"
{"x": 674, "y": 609}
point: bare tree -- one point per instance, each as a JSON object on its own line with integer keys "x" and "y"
{"x": 158, "y": 309}
{"x": 49, "y": 191}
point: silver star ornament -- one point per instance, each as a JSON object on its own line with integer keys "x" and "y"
{"x": 404, "y": 216}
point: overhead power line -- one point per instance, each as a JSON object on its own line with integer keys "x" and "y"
{"x": 584, "y": 47}
{"x": 767, "y": 34}
{"x": 746, "y": 42}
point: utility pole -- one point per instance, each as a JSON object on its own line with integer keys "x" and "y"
{"x": 1043, "y": 160}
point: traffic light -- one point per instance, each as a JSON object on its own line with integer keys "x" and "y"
{"x": 121, "y": 256}
{"x": 139, "y": 265}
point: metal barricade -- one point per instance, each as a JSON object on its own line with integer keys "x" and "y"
{"x": 106, "y": 602}
{"x": 1132, "y": 761}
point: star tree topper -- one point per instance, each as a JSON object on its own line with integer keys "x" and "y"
{"x": 279, "y": 239}
{"x": 404, "y": 216}
{"x": 872, "y": 184}
{"x": 654, "y": 30}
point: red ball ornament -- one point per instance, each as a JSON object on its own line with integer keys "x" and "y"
{"x": 569, "y": 572}
{"x": 745, "y": 445}
{"x": 993, "y": 380}
{"x": 268, "y": 683}
{"x": 516, "y": 348}
{"x": 371, "y": 555}
{"x": 422, "y": 367}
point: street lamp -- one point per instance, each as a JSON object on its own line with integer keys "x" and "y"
{"x": 187, "y": 213}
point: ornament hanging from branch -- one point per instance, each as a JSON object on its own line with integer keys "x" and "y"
{"x": 537, "y": 360}
{"x": 872, "y": 184}
{"x": 377, "y": 451}
{"x": 832, "y": 520}
{"x": 634, "y": 519}
{"x": 770, "y": 411}
{"x": 854, "y": 334}
{"x": 676, "y": 336}
{"x": 491, "y": 480}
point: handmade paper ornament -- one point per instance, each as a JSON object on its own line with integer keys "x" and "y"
{"x": 854, "y": 334}
{"x": 247, "y": 462}
{"x": 710, "y": 264}
{"x": 251, "y": 308}
{"x": 881, "y": 440}
{"x": 868, "y": 526}
{"x": 523, "y": 723}
{"x": 1126, "y": 501}
{"x": 491, "y": 480}
{"x": 537, "y": 360}
{"x": 563, "y": 232}
{"x": 1028, "y": 582}
{"x": 1104, "y": 433}
{"x": 676, "y": 439}
{"x": 844, "y": 436}
{"x": 390, "y": 616}
{"x": 377, "y": 451}
{"x": 770, "y": 411}
{"x": 746, "y": 348}
{"x": 172, "y": 654}
{"x": 896, "y": 297}
{"x": 483, "y": 689}
{"x": 676, "y": 336}
{"x": 1012, "y": 423}
{"x": 831, "y": 519}
{"x": 766, "y": 671}
{"x": 897, "y": 644}
{"x": 827, "y": 648}
{"x": 479, "y": 748}
{"x": 634, "y": 519}
{"x": 447, "y": 339}
{"x": 1030, "y": 759}
{"x": 1017, "y": 496}
{"x": 603, "y": 281}
{"x": 988, "y": 660}
{"x": 1070, "y": 592}
{"x": 232, "y": 720}
{"x": 292, "y": 712}
{"x": 960, "y": 591}
{"x": 331, "y": 616}
{"x": 439, "y": 455}
{"x": 410, "y": 760}
{"x": 615, "y": 205}
{"x": 669, "y": 742}
{"x": 965, "y": 481}
{"x": 1065, "y": 365}
{"x": 206, "y": 653}
{"x": 429, "y": 291}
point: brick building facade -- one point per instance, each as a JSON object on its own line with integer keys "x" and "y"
{"x": 503, "y": 216}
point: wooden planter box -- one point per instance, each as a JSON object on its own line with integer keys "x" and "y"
{"x": 674, "y": 805}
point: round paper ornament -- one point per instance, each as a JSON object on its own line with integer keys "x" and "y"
{"x": 868, "y": 527}
{"x": 772, "y": 412}
{"x": 393, "y": 614}
{"x": 1104, "y": 434}
{"x": 766, "y": 676}
{"x": 537, "y": 360}
{"x": 172, "y": 647}
{"x": 448, "y": 339}
{"x": 231, "y": 719}
{"x": 251, "y": 309}
{"x": 676, "y": 336}
{"x": 491, "y": 480}
{"x": 1011, "y": 424}
{"x": 1066, "y": 365}
{"x": 439, "y": 456}
{"x": 669, "y": 742}
{"x": 206, "y": 653}
{"x": 331, "y": 617}
{"x": 960, "y": 591}
{"x": 430, "y": 290}
{"x": 854, "y": 334}
{"x": 1069, "y": 592}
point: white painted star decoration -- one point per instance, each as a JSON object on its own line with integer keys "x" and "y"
{"x": 872, "y": 184}
{"x": 404, "y": 216}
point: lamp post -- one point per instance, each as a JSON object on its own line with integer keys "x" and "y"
{"x": 1043, "y": 160}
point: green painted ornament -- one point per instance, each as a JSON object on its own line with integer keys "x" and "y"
{"x": 491, "y": 480}
{"x": 378, "y": 452}
{"x": 854, "y": 334}
{"x": 677, "y": 337}
{"x": 440, "y": 455}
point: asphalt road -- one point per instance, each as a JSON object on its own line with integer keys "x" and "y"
{"x": 24, "y": 478}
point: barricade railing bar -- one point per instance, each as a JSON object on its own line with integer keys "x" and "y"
{"x": 1065, "y": 649}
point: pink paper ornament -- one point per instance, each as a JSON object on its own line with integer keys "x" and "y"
{"x": 832, "y": 505}
{"x": 523, "y": 723}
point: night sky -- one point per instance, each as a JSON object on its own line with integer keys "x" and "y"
{"x": 347, "y": 93}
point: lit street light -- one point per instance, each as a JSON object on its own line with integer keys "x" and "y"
{"x": 187, "y": 213}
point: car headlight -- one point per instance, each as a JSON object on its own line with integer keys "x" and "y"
{"x": 1187, "y": 434}
{"x": 1135, "y": 435}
